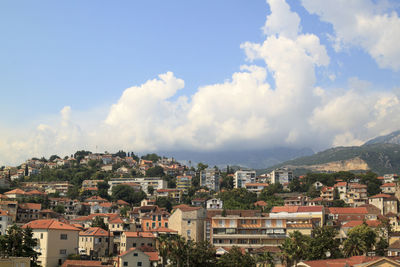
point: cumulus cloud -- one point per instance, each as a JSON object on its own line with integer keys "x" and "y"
{"x": 362, "y": 23}
{"x": 245, "y": 111}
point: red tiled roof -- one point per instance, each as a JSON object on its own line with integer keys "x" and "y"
{"x": 184, "y": 207}
{"x": 50, "y": 224}
{"x": 356, "y": 185}
{"x": 167, "y": 190}
{"x": 388, "y": 185}
{"x": 95, "y": 231}
{"x": 116, "y": 220}
{"x": 341, "y": 262}
{"x": 122, "y": 202}
{"x": 15, "y": 191}
{"x": 294, "y": 209}
{"x": 256, "y": 184}
{"x": 382, "y": 196}
{"x": 327, "y": 188}
{"x": 163, "y": 230}
{"x": 358, "y": 210}
{"x": 371, "y": 223}
{"x": 96, "y": 198}
{"x": 260, "y": 203}
{"x": 106, "y": 204}
{"x": 3, "y": 213}
{"x": 76, "y": 263}
{"x": 139, "y": 234}
{"x": 340, "y": 184}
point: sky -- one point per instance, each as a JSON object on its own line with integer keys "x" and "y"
{"x": 195, "y": 75}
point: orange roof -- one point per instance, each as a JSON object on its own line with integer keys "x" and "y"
{"x": 76, "y": 263}
{"x": 139, "y": 234}
{"x": 15, "y": 191}
{"x": 167, "y": 190}
{"x": 163, "y": 230}
{"x": 106, "y": 204}
{"x": 382, "y": 196}
{"x": 184, "y": 207}
{"x": 256, "y": 184}
{"x": 340, "y": 184}
{"x": 355, "y": 185}
{"x": 388, "y": 185}
{"x": 327, "y": 188}
{"x": 50, "y": 224}
{"x": 294, "y": 209}
{"x": 371, "y": 223}
{"x": 35, "y": 192}
{"x": 153, "y": 256}
{"x": 95, "y": 231}
{"x": 3, "y": 213}
{"x": 116, "y": 220}
{"x": 122, "y": 202}
{"x": 359, "y": 210}
{"x": 30, "y": 206}
{"x": 352, "y": 261}
{"x": 96, "y": 198}
{"x": 260, "y": 203}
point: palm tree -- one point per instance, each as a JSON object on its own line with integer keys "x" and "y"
{"x": 265, "y": 260}
{"x": 163, "y": 247}
{"x": 353, "y": 246}
{"x": 294, "y": 248}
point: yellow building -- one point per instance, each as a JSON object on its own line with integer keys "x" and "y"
{"x": 96, "y": 242}
{"x": 56, "y": 240}
{"x": 137, "y": 240}
{"x": 183, "y": 183}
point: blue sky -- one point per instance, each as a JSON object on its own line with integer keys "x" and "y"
{"x": 76, "y": 74}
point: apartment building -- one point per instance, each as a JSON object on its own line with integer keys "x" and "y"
{"x": 96, "y": 242}
{"x": 155, "y": 219}
{"x": 251, "y": 230}
{"x": 281, "y": 176}
{"x": 214, "y": 203}
{"x": 28, "y": 212}
{"x": 183, "y": 183}
{"x": 188, "y": 221}
{"x": 210, "y": 179}
{"x": 256, "y": 187}
{"x": 356, "y": 194}
{"x": 90, "y": 184}
{"x": 242, "y": 177}
{"x": 144, "y": 182}
{"x": 56, "y": 240}
{"x": 342, "y": 189}
{"x": 327, "y": 193}
{"x": 173, "y": 193}
{"x": 388, "y": 188}
{"x": 11, "y": 207}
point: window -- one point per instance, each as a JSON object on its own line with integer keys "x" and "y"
{"x": 159, "y": 217}
{"x": 41, "y": 235}
{"x": 139, "y": 263}
{"x": 153, "y": 225}
{"x": 188, "y": 222}
{"x": 125, "y": 263}
{"x": 134, "y": 245}
{"x": 221, "y": 222}
{"x": 268, "y": 223}
{"x": 188, "y": 233}
{"x": 166, "y": 225}
{"x": 63, "y": 236}
{"x": 253, "y": 221}
{"x": 63, "y": 251}
{"x": 135, "y": 254}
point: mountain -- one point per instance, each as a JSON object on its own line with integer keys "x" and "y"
{"x": 255, "y": 159}
{"x": 378, "y": 157}
{"x": 392, "y": 138}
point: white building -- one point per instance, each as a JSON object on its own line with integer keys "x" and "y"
{"x": 210, "y": 179}
{"x": 242, "y": 177}
{"x": 214, "y": 203}
{"x": 281, "y": 176}
{"x": 145, "y": 182}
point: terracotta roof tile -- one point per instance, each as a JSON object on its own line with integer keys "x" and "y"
{"x": 30, "y": 206}
{"x": 388, "y": 185}
{"x": 358, "y": 210}
{"x": 50, "y": 224}
{"x": 139, "y": 234}
{"x": 371, "y": 223}
{"x": 15, "y": 191}
{"x": 95, "y": 231}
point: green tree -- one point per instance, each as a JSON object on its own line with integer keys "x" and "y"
{"x": 201, "y": 166}
{"x": 128, "y": 194}
{"x": 373, "y": 184}
{"x": 323, "y": 243}
{"x": 165, "y": 202}
{"x": 103, "y": 189}
{"x": 238, "y": 198}
{"x": 19, "y": 242}
{"x": 360, "y": 241}
{"x": 294, "y": 248}
{"x": 265, "y": 260}
{"x": 53, "y": 157}
{"x": 99, "y": 222}
{"x": 235, "y": 258}
{"x": 155, "y": 171}
{"x": 150, "y": 189}
{"x": 59, "y": 209}
{"x": 153, "y": 157}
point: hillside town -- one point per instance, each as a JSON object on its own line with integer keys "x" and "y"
{"x": 104, "y": 209}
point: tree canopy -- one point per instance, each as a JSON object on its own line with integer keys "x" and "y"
{"x": 128, "y": 194}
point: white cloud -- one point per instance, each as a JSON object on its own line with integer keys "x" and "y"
{"x": 362, "y": 23}
{"x": 245, "y": 111}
